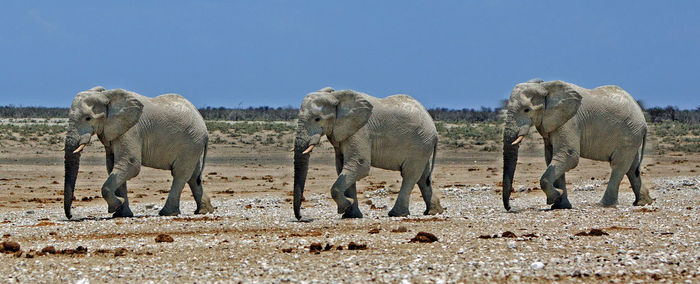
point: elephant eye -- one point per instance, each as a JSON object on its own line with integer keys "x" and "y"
{"x": 526, "y": 110}
{"x": 318, "y": 119}
{"x": 88, "y": 118}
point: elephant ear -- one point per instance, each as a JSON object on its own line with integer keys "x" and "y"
{"x": 123, "y": 111}
{"x": 561, "y": 103}
{"x": 352, "y": 113}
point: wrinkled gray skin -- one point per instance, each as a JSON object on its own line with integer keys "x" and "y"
{"x": 166, "y": 132}
{"x": 393, "y": 133}
{"x": 602, "y": 124}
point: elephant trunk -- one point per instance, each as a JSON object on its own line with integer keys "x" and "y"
{"x": 71, "y": 163}
{"x": 301, "y": 168}
{"x": 510, "y": 159}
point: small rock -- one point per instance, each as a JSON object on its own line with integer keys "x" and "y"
{"x": 120, "y": 252}
{"x": 512, "y": 245}
{"x": 374, "y": 231}
{"x": 163, "y": 238}
{"x": 537, "y": 265}
{"x": 315, "y": 247}
{"x": 9, "y": 246}
{"x": 49, "y": 250}
{"x": 592, "y": 232}
{"x": 423, "y": 237}
{"x": 354, "y": 246}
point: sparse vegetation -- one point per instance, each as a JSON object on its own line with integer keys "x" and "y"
{"x": 676, "y": 136}
{"x": 671, "y": 129}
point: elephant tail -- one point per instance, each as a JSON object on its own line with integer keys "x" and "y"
{"x": 204, "y": 156}
{"x": 644, "y": 146}
{"x": 432, "y": 164}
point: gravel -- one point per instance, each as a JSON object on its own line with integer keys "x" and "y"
{"x": 264, "y": 242}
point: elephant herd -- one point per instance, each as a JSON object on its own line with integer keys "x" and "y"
{"x": 394, "y": 133}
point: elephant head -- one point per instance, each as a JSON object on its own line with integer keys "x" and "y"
{"x": 106, "y": 113}
{"x": 336, "y": 114}
{"x": 545, "y": 105}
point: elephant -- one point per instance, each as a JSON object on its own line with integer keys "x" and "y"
{"x": 166, "y": 132}
{"x": 393, "y": 133}
{"x": 601, "y": 124}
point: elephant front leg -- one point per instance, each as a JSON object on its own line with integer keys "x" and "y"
{"x": 559, "y": 183}
{"x": 563, "y": 203}
{"x": 124, "y": 210}
{"x": 338, "y": 191}
{"x": 354, "y": 210}
{"x": 114, "y": 181}
{"x": 554, "y": 171}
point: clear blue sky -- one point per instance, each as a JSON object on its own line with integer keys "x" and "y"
{"x": 250, "y": 53}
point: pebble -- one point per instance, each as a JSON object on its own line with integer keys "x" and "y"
{"x": 537, "y": 265}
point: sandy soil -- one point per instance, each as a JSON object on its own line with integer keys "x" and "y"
{"x": 253, "y": 236}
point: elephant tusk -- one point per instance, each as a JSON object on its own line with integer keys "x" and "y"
{"x": 518, "y": 140}
{"x": 308, "y": 150}
{"x": 80, "y": 148}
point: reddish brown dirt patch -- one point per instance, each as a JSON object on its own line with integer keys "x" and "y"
{"x": 42, "y": 224}
{"x": 646, "y": 210}
{"x": 120, "y": 252}
{"x": 417, "y": 220}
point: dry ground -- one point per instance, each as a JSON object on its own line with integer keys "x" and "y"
{"x": 253, "y": 236}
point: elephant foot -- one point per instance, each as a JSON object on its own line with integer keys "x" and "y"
{"x": 554, "y": 197}
{"x": 563, "y": 203}
{"x": 114, "y": 206}
{"x": 604, "y": 203}
{"x": 643, "y": 201}
{"x": 435, "y": 208}
{"x": 399, "y": 212}
{"x": 205, "y": 209}
{"x": 165, "y": 212}
{"x": 344, "y": 205}
{"x": 124, "y": 211}
{"x": 352, "y": 213}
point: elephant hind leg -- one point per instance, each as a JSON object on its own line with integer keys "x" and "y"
{"x": 620, "y": 163}
{"x": 200, "y": 197}
{"x": 432, "y": 202}
{"x": 641, "y": 194}
{"x": 411, "y": 173}
{"x": 181, "y": 172}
